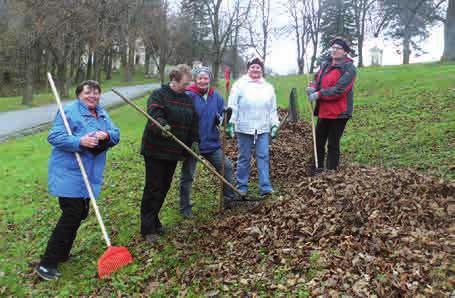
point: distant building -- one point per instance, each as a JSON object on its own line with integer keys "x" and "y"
{"x": 376, "y": 56}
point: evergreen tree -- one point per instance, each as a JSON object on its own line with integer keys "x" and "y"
{"x": 196, "y": 27}
{"x": 337, "y": 20}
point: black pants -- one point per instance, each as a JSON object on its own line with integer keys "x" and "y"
{"x": 74, "y": 210}
{"x": 331, "y": 130}
{"x": 158, "y": 178}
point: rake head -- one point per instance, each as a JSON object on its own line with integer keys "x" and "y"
{"x": 114, "y": 258}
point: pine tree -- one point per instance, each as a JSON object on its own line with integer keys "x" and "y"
{"x": 196, "y": 26}
{"x": 337, "y": 20}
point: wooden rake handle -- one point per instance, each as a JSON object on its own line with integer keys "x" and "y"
{"x": 173, "y": 137}
{"x": 79, "y": 161}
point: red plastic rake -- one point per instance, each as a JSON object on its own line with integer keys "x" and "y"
{"x": 115, "y": 257}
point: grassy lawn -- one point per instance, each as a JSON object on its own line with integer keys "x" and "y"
{"x": 404, "y": 116}
{"x": 15, "y": 102}
{"x": 29, "y": 214}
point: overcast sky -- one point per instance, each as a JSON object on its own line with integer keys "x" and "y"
{"x": 283, "y": 52}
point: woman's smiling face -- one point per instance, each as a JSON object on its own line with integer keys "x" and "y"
{"x": 90, "y": 96}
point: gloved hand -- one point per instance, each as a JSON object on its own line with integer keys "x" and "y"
{"x": 230, "y": 130}
{"x": 313, "y": 96}
{"x": 274, "y": 132}
{"x": 310, "y": 90}
{"x": 166, "y": 131}
{"x": 218, "y": 119}
{"x": 195, "y": 148}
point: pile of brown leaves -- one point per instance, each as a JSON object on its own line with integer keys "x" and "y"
{"x": 291, "y": 154}
{"x": 359, "y": 231}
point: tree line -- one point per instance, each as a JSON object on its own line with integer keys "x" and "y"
{"x": 81, "y": 39}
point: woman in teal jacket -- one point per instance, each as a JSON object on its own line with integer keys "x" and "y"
{"x": 93, "y": 134}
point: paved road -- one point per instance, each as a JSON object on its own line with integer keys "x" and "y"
{"x": 24, "y": 122}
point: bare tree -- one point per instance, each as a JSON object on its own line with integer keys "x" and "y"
{"x": 161, "y": 38}
{"x": 314, "y": 11}
{"x": 361, "y": 10}
{"x": 260, "y": 38}
{"x": 223, "y": 21}
{"x": 300, "y": 27}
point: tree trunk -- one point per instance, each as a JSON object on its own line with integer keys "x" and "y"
{"x": 216, "y": 69}
{"x": 61, "y": 79}
{"x": 216, "y": 62}
{"x": 147, "y": 61}
{"x": 106, "y": 60}
{"x": 406, "y": 48}
{"x": 129, "y": 67}
{"x": 27, "y": 96}
{"x": 98, "y": 64}
{"x": 88, "y": 75}
{"x": 313, "y": 56}
{"x": 360, "y": 49}
{"x": 110, "y": 58}
{"x": 449, "y": 33}
{"x": 301, "y": 65}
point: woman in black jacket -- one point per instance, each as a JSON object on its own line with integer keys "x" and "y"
{"x": 174, "y": 110}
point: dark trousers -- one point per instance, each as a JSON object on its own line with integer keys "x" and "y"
{"x": 329, "y": 130}
{"x": 74, "y": 210}
{"x": 158, "y": 178}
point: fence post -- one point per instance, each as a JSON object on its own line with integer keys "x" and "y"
{"x": 294, "y": 114}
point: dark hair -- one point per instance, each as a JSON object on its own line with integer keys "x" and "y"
{"x": 89, "y": 83}
{"x": 341, "y": 42}
{"x": 255, "y": 60}
{"x": 179, "y": 71}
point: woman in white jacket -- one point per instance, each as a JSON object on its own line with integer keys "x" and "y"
{"x": 254, "y": 119}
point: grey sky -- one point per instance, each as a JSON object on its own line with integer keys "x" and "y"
{"x": 283, "y": 53}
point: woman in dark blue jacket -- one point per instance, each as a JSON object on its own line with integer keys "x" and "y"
{"x": 209, "y": 105}
{"x": 93, "y": 134}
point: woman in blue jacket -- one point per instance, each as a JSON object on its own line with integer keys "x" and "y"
{"x": 209, "y": 105}
{"x": 93, "y": 134}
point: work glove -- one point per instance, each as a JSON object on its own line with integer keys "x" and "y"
{"x": 313, "y": 96}
{"x": 230, "y": 130}
{"x": 166, "y": 131}
{"x": 218, "y": 119}
{"x": 310, "y": 90}
{"x": 274, "y": 131}
{"x": 195, "y": 147}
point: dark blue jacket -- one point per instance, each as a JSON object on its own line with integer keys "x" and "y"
{"x": 207, "y": 112}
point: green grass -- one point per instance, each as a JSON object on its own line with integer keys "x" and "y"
{"x": 45, "y": 97}
{"x": 29, "y": 213}
{"x": 404, "y": 116}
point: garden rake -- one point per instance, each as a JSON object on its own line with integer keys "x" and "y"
{"x": 312, "y": 126}
{"x": 174, "y": 138}
{"x": 114, "y": 257}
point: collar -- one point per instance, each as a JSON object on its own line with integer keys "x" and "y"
{"x": 195, "y": 89}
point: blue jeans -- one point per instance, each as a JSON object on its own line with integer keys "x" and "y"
{"x": 246, "y": 144}
{"x": 187, "y": 176}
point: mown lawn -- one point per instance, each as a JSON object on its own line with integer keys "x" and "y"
{"x": 45, "y": 97}
{"x": 404, "y": 117}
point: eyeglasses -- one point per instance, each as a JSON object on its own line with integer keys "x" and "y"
{"x": 334, "y": 48}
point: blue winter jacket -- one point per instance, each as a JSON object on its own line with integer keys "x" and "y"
{"x": 207, "y": 112}
{"x": 64, "y": 176}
